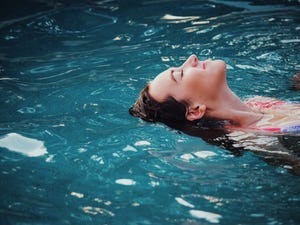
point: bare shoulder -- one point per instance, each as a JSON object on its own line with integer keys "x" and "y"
{"x": 260, "y": 99}
{"x": 268, "y": 105}
{"x": 261, "y": 102}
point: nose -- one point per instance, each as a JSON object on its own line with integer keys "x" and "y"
{"x": 191, "y": 61}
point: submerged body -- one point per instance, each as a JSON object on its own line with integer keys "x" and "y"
{"x": 278, "y": 116}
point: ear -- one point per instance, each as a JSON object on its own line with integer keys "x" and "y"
{"x": 195, "y": 112}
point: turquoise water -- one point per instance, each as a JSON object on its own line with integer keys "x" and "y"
{"x": 71, "y": 153}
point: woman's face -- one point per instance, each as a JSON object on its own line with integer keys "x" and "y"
{"x": 193, "y": 81}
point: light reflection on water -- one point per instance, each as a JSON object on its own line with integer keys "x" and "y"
{"x": 72, "y": 91}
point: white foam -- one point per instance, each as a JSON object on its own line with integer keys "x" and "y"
{"x": 78, "y": 195}
{"x": 97, "y": 210}
{"x": 24, "y": 145}
{"x": 187, "y": 157}
{"x": 229, "y": 67}
{"x": 178, "y": 19}
{"x": 142, "y": 143}
{"x": 129, "y": 148}
{"x": 50, "y": 159}
{"x": 210, "y": 217}
{"x": 127, "y": 182}
{"x": 154, "y": 183}
{"x": 204, "y": 154}
{"x": 183, "y": 202}
{"x": 290, "y": 41}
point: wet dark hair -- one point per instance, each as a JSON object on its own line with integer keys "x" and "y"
{"x": 170, "y": 111}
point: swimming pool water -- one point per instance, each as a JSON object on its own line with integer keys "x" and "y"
{"x": 71, "y": 153}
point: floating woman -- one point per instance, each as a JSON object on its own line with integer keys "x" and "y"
{"x": 196, "y": 94}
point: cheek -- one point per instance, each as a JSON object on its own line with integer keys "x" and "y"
{"x": 196, "y": 81}
{"x": 190, "y": 89}
{"x": 160, "y": 89}
{"x": 204, "y": 85}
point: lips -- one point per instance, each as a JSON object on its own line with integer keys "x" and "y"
{"x": 203, "y": 64}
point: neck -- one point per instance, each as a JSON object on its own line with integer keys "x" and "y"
{"x": 228, "y": 106}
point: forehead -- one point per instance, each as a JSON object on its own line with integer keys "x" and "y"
{"x": 159, "y": 87}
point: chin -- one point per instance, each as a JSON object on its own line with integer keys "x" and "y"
{"x": 219, "y": 66}
{"x": 220, "y": 63}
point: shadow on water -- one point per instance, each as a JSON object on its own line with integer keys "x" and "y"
{"x": 281, "y": 149}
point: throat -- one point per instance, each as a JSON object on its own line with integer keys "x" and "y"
{"x": 229, "y": 107}
{"x": 247, "y": 119}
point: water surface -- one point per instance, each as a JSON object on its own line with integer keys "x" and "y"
{"x": 69, "y": 73}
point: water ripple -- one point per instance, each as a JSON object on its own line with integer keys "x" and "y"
{"x": 57, "y": 22}
{"x": 69, "y": 85}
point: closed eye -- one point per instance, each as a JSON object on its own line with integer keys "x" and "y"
{"x": 176, "y": 75}
{"x": 172, "y": 75}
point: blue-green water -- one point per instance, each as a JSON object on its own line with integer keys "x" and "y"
{"x": 71, "y": 153}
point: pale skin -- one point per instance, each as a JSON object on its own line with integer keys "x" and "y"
{"x": 203, "y": 85}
